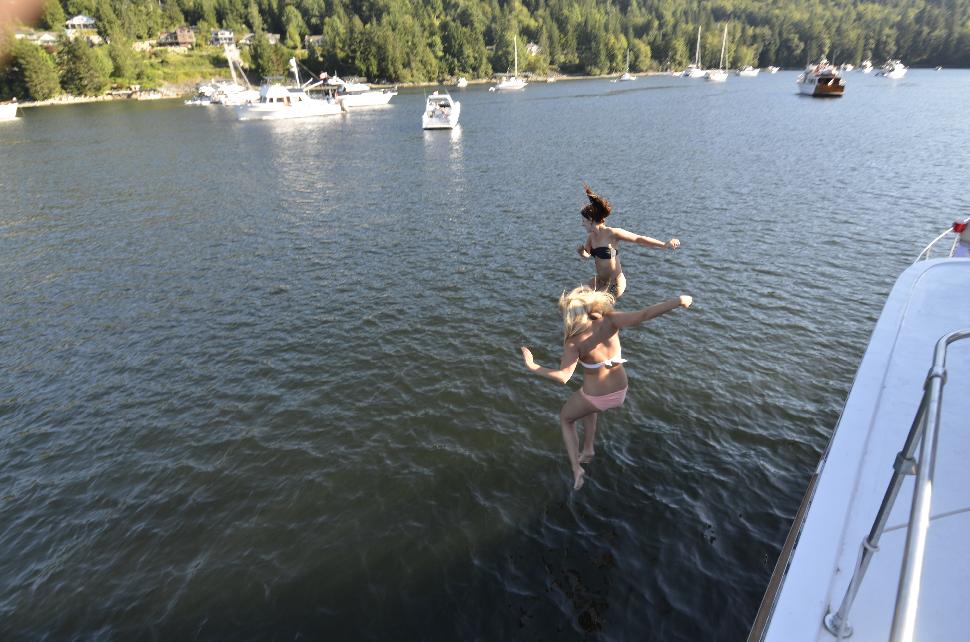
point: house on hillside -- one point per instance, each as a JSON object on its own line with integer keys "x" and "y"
{"x": 533, "y": 49}
{"x": 312, "y": 41}
{"x": 221, "y": 37}
{"x": 181, "y": 37}
{"x": 247, "y": 40}
{"x": 81, "y": 21}
{"x": 41, "y": 38}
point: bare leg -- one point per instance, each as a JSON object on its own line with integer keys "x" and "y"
{"x": 619, "y": 285}
{"x": 589, "y": 434}
{"x": 575, "y": 408}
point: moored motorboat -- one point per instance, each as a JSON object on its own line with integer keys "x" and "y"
{"x": 858, "y": 561}
{"x": 8, "y": 110}
{"x": 277, "y": 101}
{"x": 358, "y": 94}
{"x": 821, "y": 80}
{"x": 441, "y": 111}
{"x": 866, "y": 66}
{"x": 893, "y": 69}
{"x": 748, "y": 72}
{"x": 772, "y": 69}
{"x": 462, "y": 83}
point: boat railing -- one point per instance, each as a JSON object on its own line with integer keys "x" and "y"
{"x": 925, "y": 433}
{"x": 961, "y": 228}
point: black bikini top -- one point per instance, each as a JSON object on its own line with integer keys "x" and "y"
{"x": 604, "y": 252}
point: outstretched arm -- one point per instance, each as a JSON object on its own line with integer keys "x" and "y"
{"x": 585, "y": 249}
{"x": 626, "y": 319}
{"x": 645, "y": 241}
{"x": 567, "y": 365}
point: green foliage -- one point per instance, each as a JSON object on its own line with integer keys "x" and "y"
{"x": 30, "y": 73}
{"x": 267, "y": 59}
{"x": 420, "y": 40}
{"x": 84, "y": 70}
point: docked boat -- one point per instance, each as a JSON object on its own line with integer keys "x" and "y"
{"x": 695, "y": 69}
{"x": 877, "y": 547}
{"x": 772, "y": 69}
{"x": 277, "y": 101}
{"x": 513, "y": 82}
{"x": 821, "y": 80}
{"x": 462, "y": 83}
{"x": 8, "y": 110}
{"x": 893, "y": 69}
{"x": 719, "y": 74}
{"x": 357, "y": 94}
{"x": 866, "y": 66}
{"x": 441, "y": 111}
{"x": 749, "y": 72}
{"x": 230, "y": 93}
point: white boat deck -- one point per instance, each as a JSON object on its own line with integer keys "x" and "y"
{"x": 929, "y": 300}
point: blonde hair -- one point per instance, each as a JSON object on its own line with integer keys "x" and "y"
{"x": 577, "y": 306}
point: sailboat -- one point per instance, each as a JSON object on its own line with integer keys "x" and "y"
{"x": 626, "y": 74}
{"x": 719, "y": 74}
{"x": 512, "y": 82}
{"x": 695, "y": 70}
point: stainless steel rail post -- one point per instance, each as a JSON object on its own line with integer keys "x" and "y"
{"x": 928, "y": 414}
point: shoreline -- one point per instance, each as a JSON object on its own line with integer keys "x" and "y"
{"x": 183, "y": 89}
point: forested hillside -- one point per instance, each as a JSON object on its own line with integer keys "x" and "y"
{"x": 418, "y": 40}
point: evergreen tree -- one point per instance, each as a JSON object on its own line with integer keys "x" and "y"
{"x": 31, "y": 73}
{"x": 83, "y": 69}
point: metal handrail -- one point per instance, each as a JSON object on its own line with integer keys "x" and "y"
{"x": 925, "y": 254}
{"x": 925, "y": 430}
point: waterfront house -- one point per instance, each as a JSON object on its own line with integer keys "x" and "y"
{"x": 41, "y": 38}
{"x": 533, "y": 49}
{"x": 221, "y": 37}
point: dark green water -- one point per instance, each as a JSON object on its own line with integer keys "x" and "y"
{"x": 261, "y": 380}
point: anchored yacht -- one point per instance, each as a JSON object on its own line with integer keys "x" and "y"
{"x": 277, "y": 101}
{"x": 821, "y": 80}
{"x": 877, "y": 550}
{"x": 358, "y": 94}
{"x": 440, "y": 112}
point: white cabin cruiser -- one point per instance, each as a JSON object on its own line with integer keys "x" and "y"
{"x": 821, "y": 80}
{"x": 358, "y": 94}
{"x": 277, "y": 101}
{"x": 8, "y": 110}
{"x": 748, "y": 72}
{"x": 893, "y": 69}
{"x": 772, "y": 69}
{"x": 440, "y": 112}
{"x": 866, "y": 66}
{"x": 877, "y": 548}
{"x": 462, "y": 83}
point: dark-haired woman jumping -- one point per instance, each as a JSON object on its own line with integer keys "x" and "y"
{"x": 603, "y": 242}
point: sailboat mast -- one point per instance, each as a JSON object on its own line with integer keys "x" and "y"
{"x": 697, "y": 50}
{"x": 723, "y": 43}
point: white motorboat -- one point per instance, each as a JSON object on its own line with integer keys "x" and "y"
{"x": 749, "y": 72}
{"x": 513, "y": 82}
{"x": 822, "y": 80}
{"x": 719, "y": 74}
{"x": 866, "y": 66}
{"x": 277, "y": 101}
{"x": 695, "y": 69}
{"x": 877, "y": 550}
{"x": 773, "y": 70}
{"x": 845, "y": 66}
{"x": 225, "y": 92}
{"x": 462, "y": 83}
{"x": 8, "y": 110}
{"x": 440, "y": 112}
{"x": 893, "y": 69}
{"x": 358, "y": 94}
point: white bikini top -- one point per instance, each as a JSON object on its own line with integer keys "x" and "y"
{"x": 609, "y": 362}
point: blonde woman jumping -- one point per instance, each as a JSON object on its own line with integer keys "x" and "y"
{"x": 592, "y": 340}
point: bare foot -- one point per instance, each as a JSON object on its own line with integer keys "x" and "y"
{"x": 586, "y": 457}
{"x": 580, "y": 479}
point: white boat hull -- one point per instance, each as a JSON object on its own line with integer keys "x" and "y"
{"x": 375, "y": 98}
{"x": 896, "y": 74}
{"x": 510, "y": 84}
{"x": 276, "y": 111}
{"x": 748, "y": 73}
{"x": 717, "y": 75}
{"x": 441, "y": 120}
{"x": 694, "y": 72}
{"x": 8, "y": 111}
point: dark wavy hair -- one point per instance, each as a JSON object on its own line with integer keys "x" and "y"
{"x": 598, "y": 209}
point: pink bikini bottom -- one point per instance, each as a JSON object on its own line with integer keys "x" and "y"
{"x": 605, "y": 402}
